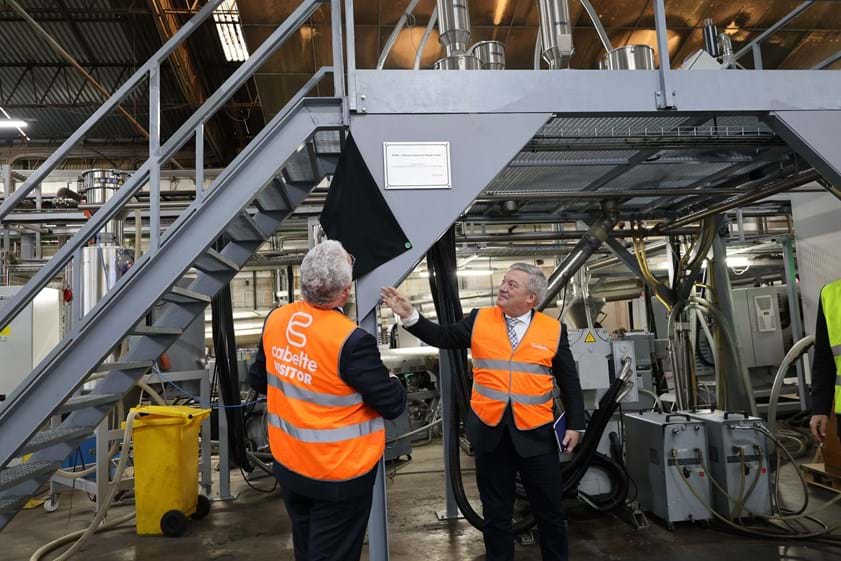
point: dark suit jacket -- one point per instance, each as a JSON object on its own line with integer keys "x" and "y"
{"x": 361, "y": 368}
{"x": 823, "y": 368}
{"x": 485, "y": 438}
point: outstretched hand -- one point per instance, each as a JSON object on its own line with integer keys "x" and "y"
{"x": 398, "y": 303}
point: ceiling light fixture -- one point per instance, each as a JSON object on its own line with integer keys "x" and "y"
{"x": 12, "y": 124}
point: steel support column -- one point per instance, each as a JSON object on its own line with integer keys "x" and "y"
{"x": 737, "y": 397}
{"x": 796, "y": 321}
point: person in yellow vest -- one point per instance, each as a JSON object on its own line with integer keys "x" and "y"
{"x": 328, "y": 392}
{"x": 826, "y": 367}
{"x": 517, "y": 355}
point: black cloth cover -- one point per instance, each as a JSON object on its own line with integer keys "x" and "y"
{"x": 356, "y": 214}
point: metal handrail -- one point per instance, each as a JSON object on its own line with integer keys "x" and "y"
{"x": 58, "y": 156}
{"x": 146, "y": 172}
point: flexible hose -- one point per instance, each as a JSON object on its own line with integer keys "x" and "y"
{"x": 793, "y": 354}
{"x": 100, "y": 516}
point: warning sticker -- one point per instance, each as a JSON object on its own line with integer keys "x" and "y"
{"x": 589, "y": 338}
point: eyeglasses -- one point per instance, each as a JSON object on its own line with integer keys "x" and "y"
{"x": 352, "y": 259}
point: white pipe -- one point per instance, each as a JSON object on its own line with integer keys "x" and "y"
{"x": 392, "y": 39}
{"x": 433, "y": 19}
{"x": 597, "y": 23}
{"x": 796, "y": 351}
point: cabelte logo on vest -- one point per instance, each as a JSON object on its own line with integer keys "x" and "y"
{"x": 295, "y": 365}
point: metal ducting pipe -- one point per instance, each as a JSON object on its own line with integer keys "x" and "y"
{"x": 588, "y": 245}
{"x": 555, "y": 33}
{"x": 454, "y": 26}
{"x": 711, "y": 38}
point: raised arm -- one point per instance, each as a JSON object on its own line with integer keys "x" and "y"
{"x": 455, "y": 336}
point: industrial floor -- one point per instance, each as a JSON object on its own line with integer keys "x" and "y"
{"x": 255, "y": 527}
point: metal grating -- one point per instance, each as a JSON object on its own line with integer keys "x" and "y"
{"x": 536, "y": 179}
{"x": 52, "y": 436}
{"x": 9, "y": 477}
{"x": 12, "y": 502}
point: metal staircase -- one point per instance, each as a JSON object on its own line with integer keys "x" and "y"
{"x": 245, "y": 205}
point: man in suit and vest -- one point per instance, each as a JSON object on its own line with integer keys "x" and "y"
{"x": 328, "y": 392}
{"x": 517, "y": 355}
{"x": 826, "y": 368}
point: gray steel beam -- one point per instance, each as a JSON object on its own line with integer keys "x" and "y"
{"x": 480, "y": 146}
{"x": 814, "y": 134}
{"x": 594, "y": 93}
{"x": 828, "y": 61}
{"x": 738, "y": 398}
{"x": 622, "y": 254}
{"x": 796, "y": 322}
{"x": 782, "y": 22}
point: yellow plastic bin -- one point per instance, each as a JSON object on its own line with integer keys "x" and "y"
{"x": 166, "y": 466}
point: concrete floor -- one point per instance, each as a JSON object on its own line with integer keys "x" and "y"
{"x": 255, "y": 527}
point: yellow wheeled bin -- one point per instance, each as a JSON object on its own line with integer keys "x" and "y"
{"x": 166, "y": 468}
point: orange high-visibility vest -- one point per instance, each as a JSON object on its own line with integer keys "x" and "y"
{"x": 318, "y": 425}
{"x": 521, "y": 376}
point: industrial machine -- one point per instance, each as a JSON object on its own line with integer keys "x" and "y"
{"x": 29, "y": 337}
{"x": 737, "y": 460}
{"x": 664, "y": 456}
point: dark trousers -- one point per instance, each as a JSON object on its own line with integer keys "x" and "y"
{"x": 496, "y": 473}
{"x": 328, "y": 530}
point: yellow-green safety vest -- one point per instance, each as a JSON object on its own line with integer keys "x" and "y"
{"x": 831, "y": 304}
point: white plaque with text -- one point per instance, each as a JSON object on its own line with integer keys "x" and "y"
{"x": 417, "y": 165}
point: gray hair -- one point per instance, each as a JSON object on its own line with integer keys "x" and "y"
{"x": 537, "y": 280}
{"x": 325, "y": 273}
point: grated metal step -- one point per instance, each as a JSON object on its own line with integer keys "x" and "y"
{"x": 273, "y": 199}
{"x": 243, "y": 228}
{"x": 90, "y": 400}
{"x": 15, "y": 475}
{"x": 112, "y": 366}
{"x": 47, "y": 438}
{"x": 214, "y": 262}
{"x": 178, "y": 295}
{"x": 152, "y": 331}
{"x": 12, "y": 503}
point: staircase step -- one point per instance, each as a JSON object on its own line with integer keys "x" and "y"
{"x": 273, "y": 199}
{"x": 243, "y": 228}
{"x": 153, "y": 330}
{"x": 90, "y": 400}
{"x": 178, "y": 295}
{"x": 48, "y": 437}
{"x": 214, "y": 262}
{"x": 15, "y": 475}
{"x": 12, "y": 503}
{"x": 112, "y": 366}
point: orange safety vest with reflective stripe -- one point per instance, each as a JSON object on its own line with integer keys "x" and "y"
{"x": 318, "y": 425}
{"x": 521, "y": 376}
{"x": 831, "y": 305}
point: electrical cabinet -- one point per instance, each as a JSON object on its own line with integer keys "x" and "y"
{"x": 29, "y": 338}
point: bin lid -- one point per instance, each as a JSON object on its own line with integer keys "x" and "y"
{"x": 147, "y": 415}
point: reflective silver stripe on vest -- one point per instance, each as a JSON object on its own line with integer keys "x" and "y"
{"x": 320, "y": 436}
{"x": 297, "y": 392}
{"x": 836, "y": 350}
{"x": 506, "y": 365}
{"x": 497, "y": 395}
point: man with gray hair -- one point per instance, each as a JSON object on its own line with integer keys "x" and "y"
{"x": 328, "y": 392}
{"x": 517, "y": 353}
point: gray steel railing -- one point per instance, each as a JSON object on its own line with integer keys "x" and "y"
{"x": 160, "y": 154}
